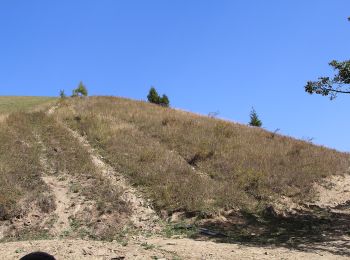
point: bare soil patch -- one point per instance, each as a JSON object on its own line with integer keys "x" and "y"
{"x": 155, "y": 248}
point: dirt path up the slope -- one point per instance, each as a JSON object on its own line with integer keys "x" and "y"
{"x": 63, "y": 202}
{"x": 55, "y": 219}
{"x": 143, "y": 216}
{"x": 59, "y": 189}
{"x": 3, "y": 117}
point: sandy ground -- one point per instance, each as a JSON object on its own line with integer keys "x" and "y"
{"x": 154, "y": 248}
{"x": 333, "y": 191}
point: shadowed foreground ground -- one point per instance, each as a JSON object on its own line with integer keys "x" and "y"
{"x": 321, "y": 230}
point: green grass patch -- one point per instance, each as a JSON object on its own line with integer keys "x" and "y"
{"x": 10, "y": 104}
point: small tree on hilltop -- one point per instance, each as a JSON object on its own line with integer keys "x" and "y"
{"x": 80, "y": 90}
{"x": 254, "y": 119}
{"x": 164, "y": 101}
{"x": 153, "y": 96}
{"x": 62, "y": 94}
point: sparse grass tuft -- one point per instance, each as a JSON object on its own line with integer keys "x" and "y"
{"x": 147, "y": 246}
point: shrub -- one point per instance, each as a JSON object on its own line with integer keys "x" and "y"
{"x": 80, "y": 90}
{"x": 164, "y": 101}
{"x": 3, "y": 213}
{"x": 62, "y": 94}
{"x": 254, "y": 119}
{"x": 46, "y": 203}
{"x": 154, "y": 98}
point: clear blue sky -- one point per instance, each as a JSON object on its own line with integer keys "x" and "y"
{"x": 207, "y": 56}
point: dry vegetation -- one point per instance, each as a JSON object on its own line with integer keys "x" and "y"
{"x": 186, "y": 162}
{"x": 19, "y": 167}
{"x": 67, "y": 156}
{"x": 34, "y": 145}
{"x": 66, "y": 173}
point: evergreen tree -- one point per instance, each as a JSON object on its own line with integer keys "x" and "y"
{"x": 153, "y": 96}
{"x": 254, "y": 119}
{"x": 80, "y": 90}
{"x": 62, "y": 94}
{"x": 164, "y": 101}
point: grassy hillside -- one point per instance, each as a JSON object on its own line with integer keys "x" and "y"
{"x": 185, "y": 162}
{"x": 10, "y": 104}
{"x": 55, "y": 182}
{"x": 35, "y": 146}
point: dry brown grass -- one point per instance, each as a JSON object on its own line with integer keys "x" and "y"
{"x": 28, "y": 137}
{"x": 20, "y": 170}
{"x": 189, "y": 162}
{"x": 66, "y": 155}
